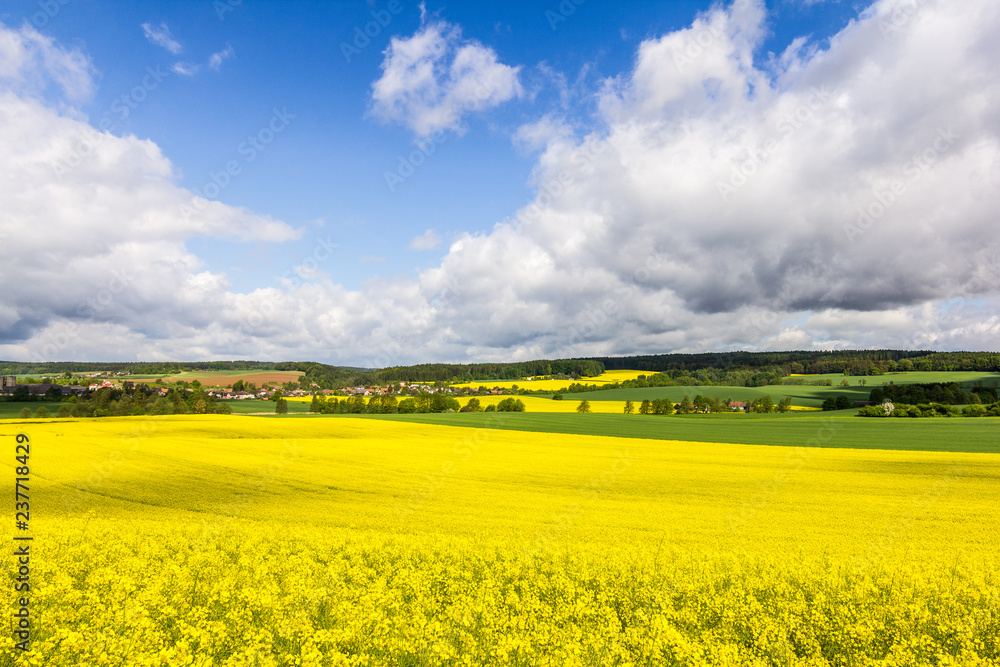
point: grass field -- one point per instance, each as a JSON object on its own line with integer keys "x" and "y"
{"x": 255, "y": 405}
{"x": 229, "y": 540}
{"x": 965, "y": 378}
{"x": 539, "y": 404}
{"x": 12, "y": 410}
{"x": 801, "y": 395}
{"x": 788, "y": 430}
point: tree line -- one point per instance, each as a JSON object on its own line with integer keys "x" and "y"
{"x": 704, "y": 404}
{"x": 422, "y": 403}
{"x": 491, "y": 371}
{"x": 746, "y": 369}
{"x": 854, "y": 362}
{"x": 925, "y": 410}
{"x": 135, "y": 400}
{"x": 946, "y": 393}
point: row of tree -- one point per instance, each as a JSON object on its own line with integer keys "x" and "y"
{"x": 837, "y": 403}
{"x": 889, "y": 409}
{"x": 947, "y": 393}
{"x": 141, "y": 400}
{"x": 422, "y": 403}
{"x": 61, "y": 368}
{"x": 497, "y": 371}
{"x": 664, "y": 406}
{"x": 739, "y": 368}
{"x": 854, "y": 362}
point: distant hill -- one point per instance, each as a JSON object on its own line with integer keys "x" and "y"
{"x": 754, "y": 368}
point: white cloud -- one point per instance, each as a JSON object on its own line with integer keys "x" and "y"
{"x": 426, "y": 241}
{"x": 714, "y": 206}
{"x": 30, "y": 62}
{"x": 185, "y": 69}
{"x": 720, "y": 201}
{"x": 541, "y": 133}
{"x": 432, "y": 79}
{"x": 95, "y": 241}
{"x": 160, "y": 36}
{"x": 216, "y": 59}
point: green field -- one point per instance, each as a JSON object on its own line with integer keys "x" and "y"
{"x": 826, "y": 429}
{"x": 12, "y": 410}
{"x": 256, "y": 405}
{"x": 965, "y": 378}
{"x": 803, "y": 395}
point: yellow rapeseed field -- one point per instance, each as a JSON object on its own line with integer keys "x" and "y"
{"x": 607, "y": 377}
{"x": 227, "y": 540}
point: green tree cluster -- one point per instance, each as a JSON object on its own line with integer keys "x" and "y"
{"x": 389, "y": 404}
{"x": 840, "y": 402}
{"x": 511, "y": 405}
{"x": 930, "y": 410}
{"x": 947, "y": 393}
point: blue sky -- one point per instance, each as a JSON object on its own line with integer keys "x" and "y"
{"x": 329, "y": 164}
{"x": 309, "y": 134}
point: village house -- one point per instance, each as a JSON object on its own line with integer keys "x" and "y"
{"x": 106, "y": 384}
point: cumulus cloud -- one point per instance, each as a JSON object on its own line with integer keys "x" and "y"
{"x": 832, "y": 199}
{"x": 426, "y": 241}
{"x": 432, "y": 79}
{"x": 31, "y": 62}
{"x": 842, "y": 196}
{"x": 94, "y": 238}
{"x": 160, "y": 36}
